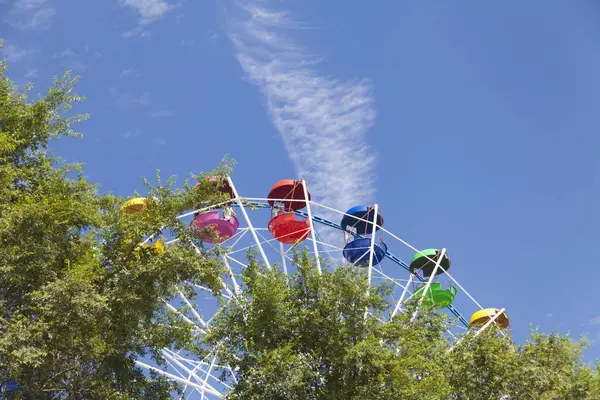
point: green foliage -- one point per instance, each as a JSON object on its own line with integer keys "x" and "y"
{"x": 307, "y": 337}
{"x": 81, "y": 300}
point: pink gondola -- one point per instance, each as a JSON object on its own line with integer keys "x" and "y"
{"x": 223, "y": 227}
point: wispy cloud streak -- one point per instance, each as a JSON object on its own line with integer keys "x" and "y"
{"x": 149, "y": 11}
{"x": 30, "y": 14}
{"x": 322, "y": 121}
{"x": 15, "y": 54}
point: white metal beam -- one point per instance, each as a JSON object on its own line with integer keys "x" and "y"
{"x": 248, "y": 222}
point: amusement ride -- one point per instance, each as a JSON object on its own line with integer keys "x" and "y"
{"x": 287, "y": 220}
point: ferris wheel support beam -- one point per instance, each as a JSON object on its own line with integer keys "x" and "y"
{"x": 192, "y": 309}
{"x": 283, "y": 262}
{"x": 169, "y": 355}
{"x": 182, "y": 375}
{"x": 212, "y": 364}
{"x": 192, "y": 373}
{"x": 312, "y": 227}
{"x": 239, "y": 203}
{"x": 176, "y": 358}
{"x": 186, "y": 319}
{"x": 371, "y": 253}
{"x": 458, "y": 315}
{"x": 404, "y": 292}
{"x": 178, "y": 379}
{"x": 372, "y": 247}
{"x": 236, "y": 286}
{"x": 428, "y": 284}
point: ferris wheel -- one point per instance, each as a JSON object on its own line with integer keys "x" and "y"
{"x": 287, "y": 220}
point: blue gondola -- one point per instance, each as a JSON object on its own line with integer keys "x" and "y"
{"x": 359, "y": 251}
{"x": 353, "y": 221}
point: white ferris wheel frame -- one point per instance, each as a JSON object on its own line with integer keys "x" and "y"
{"x": 196, "y": 375}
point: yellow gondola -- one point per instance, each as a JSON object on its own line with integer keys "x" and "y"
{"x": 159, "y": 247}
{"x": 480, "y": 317}
{"x": 135, "y": 205}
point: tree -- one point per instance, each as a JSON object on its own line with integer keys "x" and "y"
{"x": 81, "y": 299}
{"x": 546, "y": 367}
{"x": 306, "y": 337}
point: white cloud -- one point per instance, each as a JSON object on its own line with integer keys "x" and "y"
{"x": 148, "y": 11}
{"x": 129, "y": 72}
{"x": 15, "y": 54}
{"x": 595, "y": 320}
{"x": 138, "y": 31}
{"x": 30, "y": 14}
{"x": 163, "y": 113}
{"x": 549, "y": 315}
{"x": 323, "y": 121}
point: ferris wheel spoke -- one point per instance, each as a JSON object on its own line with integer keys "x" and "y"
{"x": 192, "y": 309}
{"x": 283, "y": 258}
{"x": 182, "y": 375}
{"x": 270, "y": 242}
{"x": 233, "y": 239}
{"x": 404, "y": 292}
{"x": 203, "y": 209}
{"x": 176, "y": 362}
{"x": 243, "y": 232}
{"x": 190, "y": 375}
{"x": 326, "y": 246}
{"x": 208, "y": 389}
{"x": 186, "y": 319}
{"x": 205, "y": 289}
{"x": 372, "y": 248}
{"x": 248, "y": 247}
{"x": 248, "y": 222}
{"x": 236, "y": 286}
{"x": 312, "y": 227}
{"x": 218, "y": 312}
{"x": 395, "y": 281}
{"x": 357, "y": 261}
{"x": 212, "y": 364}
{"x": 205, "y": 386}
{"x": 241, "y": 264}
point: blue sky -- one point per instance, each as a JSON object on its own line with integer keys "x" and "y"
{"x": 474, "y": 125}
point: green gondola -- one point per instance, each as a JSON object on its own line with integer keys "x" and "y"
{"x": 423, "y": 261}
{"x": 436, "y": 296}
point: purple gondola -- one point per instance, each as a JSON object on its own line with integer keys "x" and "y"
{"x": 223, "y": 227}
